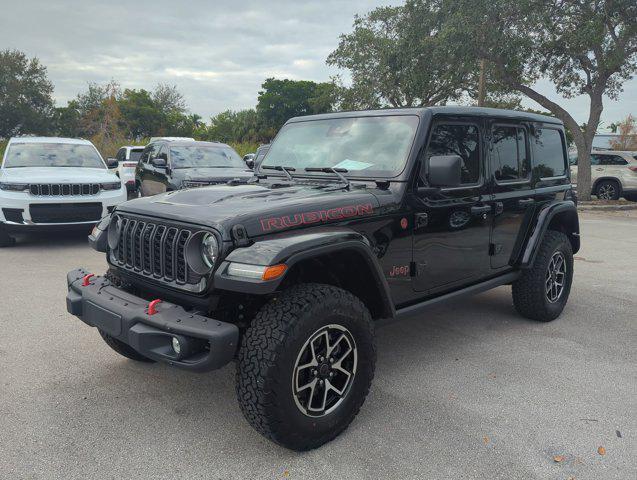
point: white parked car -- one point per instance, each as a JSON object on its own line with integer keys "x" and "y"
{"x": 48, "y": 182}
{"x": 613, "y": 174}
{"x": 127, "y": 158}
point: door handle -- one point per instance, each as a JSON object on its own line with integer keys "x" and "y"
{"x": 526, "y": 202}
{"x": 599, "y": 169}
{"x": 480, "y": 209}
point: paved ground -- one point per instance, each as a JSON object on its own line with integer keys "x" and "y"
{"x": 467, "y": 391}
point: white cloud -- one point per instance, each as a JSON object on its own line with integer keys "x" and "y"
{"x": 217, "y": 53}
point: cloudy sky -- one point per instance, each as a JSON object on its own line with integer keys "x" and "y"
{"x": 217, "y": 52}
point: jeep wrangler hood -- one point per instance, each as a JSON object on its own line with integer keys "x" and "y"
{"x": 260, "y": 208}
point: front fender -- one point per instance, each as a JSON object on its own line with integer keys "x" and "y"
{"x": 291, "y": 249}
{"x": 559, "y": 215}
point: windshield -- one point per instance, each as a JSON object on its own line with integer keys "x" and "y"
{"x": 364, "y": 146}
{"x": 135, "y": 154}
{"x": 52, "y": 155}
{"x": 190, "y": 157}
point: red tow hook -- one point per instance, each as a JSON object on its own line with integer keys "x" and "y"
{"x": 85, "y": 280}
{"x": 152, "y": 307}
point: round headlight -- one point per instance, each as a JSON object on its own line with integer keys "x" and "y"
{"x": 114, "y": 230}
{"x": 209, "y": 249}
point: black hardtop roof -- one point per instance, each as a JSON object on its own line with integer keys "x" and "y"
{"x": 192, "y": 143}
{"x": 431, "y": 111}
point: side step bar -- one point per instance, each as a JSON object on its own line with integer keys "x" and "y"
{"x": 413, "y": 310}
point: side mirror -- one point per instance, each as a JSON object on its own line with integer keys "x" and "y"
{"x": 445, "y": 171}
{"x": 158, "y": 162}
{"x": 249, "y": 160}
{"x": 112, "y": 162}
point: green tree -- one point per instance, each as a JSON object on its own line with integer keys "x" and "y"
{"x": 584, "y": 47}
{"x": 26, "y": 104}
{"x": 281, "y": 100}
{"x": 67, "y": 120}
{"x": 168, "y": 99}
{"x": 400, "y": 57}
{"x": 140, "y": 114}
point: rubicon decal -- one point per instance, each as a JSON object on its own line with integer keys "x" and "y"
{"x": 317, "y": 216}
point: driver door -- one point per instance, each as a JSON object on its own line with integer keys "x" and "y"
{"x": 452, "y": 226}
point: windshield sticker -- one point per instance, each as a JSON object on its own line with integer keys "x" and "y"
{"x": 318, "y": 216}
{"x": 353, "y": 165}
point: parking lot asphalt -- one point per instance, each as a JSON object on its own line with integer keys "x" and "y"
{"x": 468, "y": 390}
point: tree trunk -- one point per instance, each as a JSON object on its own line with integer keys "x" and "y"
{"x": 482, "y": 85}
{"x": 583, "y": 164}
{"x": 584, "y": 181}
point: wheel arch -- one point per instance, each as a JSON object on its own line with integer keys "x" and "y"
{"x": 342, "y": 258}
{"x": 603, "y": 179}
{"x": 560, "y": 216}
{"x": 349, "y": 267}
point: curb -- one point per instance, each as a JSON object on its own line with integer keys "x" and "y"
{"x": 607, "y": 208}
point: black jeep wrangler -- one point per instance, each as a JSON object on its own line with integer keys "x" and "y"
{"x": 351, "y": 219}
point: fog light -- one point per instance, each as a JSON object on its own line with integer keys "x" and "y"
{"x": 176, "y": 345}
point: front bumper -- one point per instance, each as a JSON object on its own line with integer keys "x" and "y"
{"x": 125, "y": 317}
{"x": 19, "y": 203}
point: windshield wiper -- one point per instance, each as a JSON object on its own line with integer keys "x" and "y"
{"x": 280, "y": 168}
{"x": 335, "y": 171}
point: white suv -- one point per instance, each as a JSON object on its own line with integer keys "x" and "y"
{"x": 613, "y": 174}
{"x": 48, "y": 182}
{"x": 127, "y": 158}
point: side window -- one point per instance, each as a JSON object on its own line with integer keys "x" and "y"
{"x": 509, "y": 153}
{"x": 121, "y": 155}
{"x": 163, "y": 153}
{"x": 461, "y": 140}
{"x": 612, "y": 160}
{"x": 595, "y": 159}
{"x": 149, "y": 153}
{"x": 548, "y": 153}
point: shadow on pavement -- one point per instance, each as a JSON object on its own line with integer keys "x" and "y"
{"x": 75, "y": 237}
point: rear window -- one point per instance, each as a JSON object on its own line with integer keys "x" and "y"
{"x": 548, "y": 153}
{"x": 135, "y": 154}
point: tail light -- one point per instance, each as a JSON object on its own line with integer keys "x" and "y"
{"x": 129, "y": 165}
{"x": 633, "y": 168}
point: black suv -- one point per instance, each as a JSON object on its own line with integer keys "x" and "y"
{"x": 352, "y": 219}
{"x": 168, "y": 165}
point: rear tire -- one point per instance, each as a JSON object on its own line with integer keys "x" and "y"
{"x": 123, "y": 349}
{"x": 608, "y": 190}
{"x": 311, "y": 334}
{"x": 536, "y": 294}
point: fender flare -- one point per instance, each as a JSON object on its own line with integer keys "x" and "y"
{"x": 292, "y": 249}
{"x": 605, "y": 178}
{"x": 565, "y": 208}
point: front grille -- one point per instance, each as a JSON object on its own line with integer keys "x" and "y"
{"x": 154, "y": 249}
{"x": 201, "y": 183}
{"x": 63, "y": 189}
{"x": 65, "y": 212}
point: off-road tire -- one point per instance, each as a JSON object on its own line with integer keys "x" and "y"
{"x": 123, "y": 349}
{"x": 608, "y": 183}
{"x": 269, "y": 353}
{"x": 529, "y": 291}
